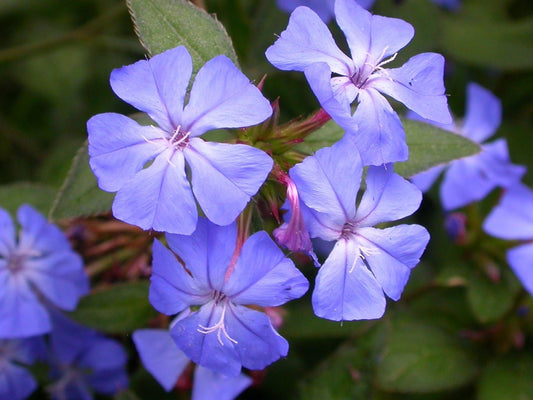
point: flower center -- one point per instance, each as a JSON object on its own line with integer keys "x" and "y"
{"x": 220, "y": 301}
{"x": 180, "y": 139}
{"x": 347, "y": 230}
{"x": 15, "y": 263}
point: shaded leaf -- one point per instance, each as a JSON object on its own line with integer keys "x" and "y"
{"x": 126, "y": 395}
{"x": 80, "y": 195}
{"x": 165, "y": 24}
{"x": 40, "y": 196}
{"x": 119, "y": 308}
{"x": 420, "y": 358}
{"x": 505, "y": 45}
{"x": 510, "y": 378}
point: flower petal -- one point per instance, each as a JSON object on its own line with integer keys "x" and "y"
{"x": 211, "y": 350}
{"x": 307, "y": 40}
{"x": 16, "y": 383}
{"x": 512, "y": 218}
{"x": 172, "y": 289}
{"x": 223, "y": 97}
{"x": 273, "y": 280}
{"x": 380, "y": 137}
{"x": 156, "y": 86}
{"x": 258, "y": 344}
{"x": 371, "y": 37}
{"x": 328, "y": 182}
{"x": 160, "y": 356}
{"x": 207, "y": 253}
{"x": 380, "y": 200}
{"x": 419, "y": 85}
{"x": 225, "y": 177}
{"x": 21, "y": 313}
{"x": 472, "y": 178}
{"x": 106, "y": 359}
{"x": 212, "y": 385}
{"x": 521, "y": 261}
{"x": 119, "y": 148}
{"x": 7, "y": 234}
{"x": 345, "y": 289}
{"x": 159, "y": 197}
{"x": 391, "y": 253}
{"x": 424, "y": 180}
{"x": 483, "y": 113}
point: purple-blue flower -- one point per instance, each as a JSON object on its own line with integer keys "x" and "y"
{"x": 512, "y": 219}
{"x": 146, "y": 165}
{"x": 325, "y": 9}
{"x": 162, "y": 358}
{"x": 82, "y": 361}
{"x": 366, "y": 262}
{"x": 37, "y": 268}
{"x": 224, "y": 333}
{"x": 16, "y": 382}
{"x": 338, "y": 80}
{"x": 472, "y": 178}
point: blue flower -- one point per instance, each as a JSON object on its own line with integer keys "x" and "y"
{"x": 146, "y": 165}
{"x": 366, "y": 263}
{"x": 325, "y": 9}
{"x": 307, "y": 45}
{"x": 162, "y": 358}
{"x": 16, "y": 383}
{"x": 512, "y": 219}
{"x": 472, "y": 178}
{"x": 38, "y": 267}
{"x": 223, "y": 333}
{"x": 83, "y": 361}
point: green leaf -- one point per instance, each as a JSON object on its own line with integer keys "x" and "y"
{"x": 126, "y": 395}
{"x": 119, "y": 308}
{"x": 40, "y": 196}
{"x": 491, "y": 300}
{"x": 506, "y": 45}
{"x": 165, "y": 24}
{"x": 421, "y": 358}
{"x": 428, "y": 145}
{"x": 80, "y": 195}
{"x": 509, "y": 378}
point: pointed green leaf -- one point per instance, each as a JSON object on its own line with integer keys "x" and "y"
{"x": 422, "y": 358}
{"x": 165, "y": 24}
{"x": 119, "y": 308}
{"x": 40, "y": 196}
{"x": 510, "y": 378}
{"x": 80, "y": 195}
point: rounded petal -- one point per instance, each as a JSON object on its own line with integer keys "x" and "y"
{"x": 172, "y": 289}
{"x": 106, "y": 359}
{"x": 207, "y": 253}
{"x": 225, "y": 177}
{"x": 371, "y": 37}
{"x": 21, "y": 313}
{"x": 223, "y": 97}
{"x": 60, "y": 277}
{"x": 419, "y": 85}
{"x": 391, "y": 254}
{"x": 328, "y": 182}
{"x": 483, "y": 113}
{"x": 306, "y": 41}
{"x": 380, "y": 200}
{"x": 156, "y": 86}
{"x": 160, "y": 356}
{"x": 512, "y": 218}
{"x": 119, "y": 148}
{"x": 345, "y": 289}
{"x": 263, "y": 276}
{"x": 213, "y": 350}
{"x": 7, "y": 234}
{"x": 380, "y": 137}
{"x": 159, "y": 197}
{"x": 258, "y": 344}
{"x": 15, "y": 382}
{"x": 212, "y": 385}
{"x": 521, "y": 261}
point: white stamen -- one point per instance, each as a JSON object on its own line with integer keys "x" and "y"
{"x": 218, "y": 327}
